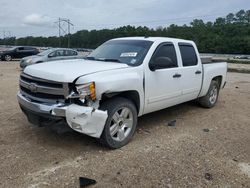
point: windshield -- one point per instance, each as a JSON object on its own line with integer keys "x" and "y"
{"x": 46, "y": 52}
{"x": 131, "y": 52}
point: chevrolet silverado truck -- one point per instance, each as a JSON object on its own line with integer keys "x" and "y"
{"x": 103, "y": 95}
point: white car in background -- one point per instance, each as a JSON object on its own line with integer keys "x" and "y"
{"x": 51, "y": 54}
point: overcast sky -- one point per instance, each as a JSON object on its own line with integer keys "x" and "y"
{"x": 37, "y": 17}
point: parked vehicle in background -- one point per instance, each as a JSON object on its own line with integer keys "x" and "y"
{"x": 241, "y": 57}
{"x": 18, "y": 52}
{"x": 102, "y": 95}
{"x": 51, "y": 54}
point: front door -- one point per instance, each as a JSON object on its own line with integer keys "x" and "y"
{"x": 163, "y": 86}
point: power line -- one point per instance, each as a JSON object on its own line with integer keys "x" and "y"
{"x": 175, "y": 20}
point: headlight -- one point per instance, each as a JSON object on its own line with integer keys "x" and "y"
{"x": 86, "y": 90}
{"x": 28, "y": 60}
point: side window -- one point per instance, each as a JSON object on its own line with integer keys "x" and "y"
{"x": 188, "y": 55}
{"x": 166, "y": 51}
{"x": 52, "y": 54}
{"x": 59, "y": 53}
{"x": 74, "y": 53}
{"x": 70, "y": 53}
{"x": 20, "y": 48}
{"x": 27, "y": 49}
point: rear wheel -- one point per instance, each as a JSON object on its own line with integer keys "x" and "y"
{"x": 7, "y": 57}
{"x": 210, "y": 99}
{"x": 121, "y": 122}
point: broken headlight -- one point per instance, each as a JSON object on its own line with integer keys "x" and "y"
{"x": 84, "y": 90}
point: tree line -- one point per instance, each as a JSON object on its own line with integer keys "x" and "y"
{"x": 230, "y": 34}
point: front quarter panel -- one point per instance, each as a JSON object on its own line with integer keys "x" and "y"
{"x": 118, "y": 80}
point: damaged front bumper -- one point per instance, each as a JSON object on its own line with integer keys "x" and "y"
{"x": 83, "y": 119}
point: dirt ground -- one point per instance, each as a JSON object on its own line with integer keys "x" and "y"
{"x": 206, "y": 148}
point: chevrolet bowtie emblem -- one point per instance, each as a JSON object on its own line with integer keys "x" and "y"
{"x": 33, "y": 87}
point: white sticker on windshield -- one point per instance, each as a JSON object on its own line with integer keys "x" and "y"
{"x": 129, "y": 54}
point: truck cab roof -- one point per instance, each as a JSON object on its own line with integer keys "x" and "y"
{"x": 156, "y": 39}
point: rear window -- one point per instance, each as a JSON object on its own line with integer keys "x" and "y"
{"x": 29, "y": 48}
{"x": 188, "y": 55}
{"x": 70, "y": 53}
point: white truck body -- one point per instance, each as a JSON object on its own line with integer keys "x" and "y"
{"x": 154, "y": 90}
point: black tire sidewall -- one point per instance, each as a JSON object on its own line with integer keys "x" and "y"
{"x": 204, "y": 101}
{"x": 112, "y": 106}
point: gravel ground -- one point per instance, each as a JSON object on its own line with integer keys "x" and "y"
{"x": 206, "y": 148}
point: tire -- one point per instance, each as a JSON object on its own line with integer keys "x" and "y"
{"x": 210, "y": 99}
{"x": 7, "y": 58}
{"x": 121, "y": 122}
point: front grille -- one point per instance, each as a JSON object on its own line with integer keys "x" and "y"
{"x": 42, "y": 90}
{"x": 42, "y": 83}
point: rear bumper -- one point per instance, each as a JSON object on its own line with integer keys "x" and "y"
{"x": 83, "y": 119}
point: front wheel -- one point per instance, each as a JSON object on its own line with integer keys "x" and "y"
{"x": 7, "y": 57}
{"x": 210, "y": 99}
{"x": 121, "y": 122}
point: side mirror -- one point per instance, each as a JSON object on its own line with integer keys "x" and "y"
{"x": 161, "y": 63}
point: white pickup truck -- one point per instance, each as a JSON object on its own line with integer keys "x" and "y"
{"x": 102, "y": 95}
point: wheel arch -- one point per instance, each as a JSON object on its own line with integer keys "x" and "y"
{"x": 218, "y": 79}
{"x": 131, "y": 95}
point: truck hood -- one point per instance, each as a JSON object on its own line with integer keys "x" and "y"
{"x": 69, "y": 70}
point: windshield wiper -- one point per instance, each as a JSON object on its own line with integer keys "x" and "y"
{"x": 90, "y": 58}
{"x": 102, "y": 59}
{"x": 108, "y": 59}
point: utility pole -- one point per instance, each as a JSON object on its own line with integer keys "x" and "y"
{"x": 69, "y": 32}
{"x": 4, "y": 37}
{"x": 59, "y": 24}
{"x": 60, "y": 28}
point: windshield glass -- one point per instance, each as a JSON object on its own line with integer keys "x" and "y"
{"x": 131, "y": 52}
{"x": 46, "y": 52}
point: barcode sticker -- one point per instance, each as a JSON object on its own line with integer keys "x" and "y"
{"x": 129, "y": 54}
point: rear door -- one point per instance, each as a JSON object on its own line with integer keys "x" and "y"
{"x": 191, "y": 71}
{"x": 69, "y": 54}
{"x": 28, "y": 51}
{"x": 163, "y": 87}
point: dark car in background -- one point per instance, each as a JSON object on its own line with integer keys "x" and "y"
{"x": 18, "y": 53}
